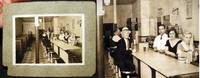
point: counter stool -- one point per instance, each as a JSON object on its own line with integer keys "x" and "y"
{"x": 117, "y": 72}
{"x": 128, "y": 73}
{"x": 47, "y": 50}
{"x": 50, "y": 56}
{"x": 55, "y": 58}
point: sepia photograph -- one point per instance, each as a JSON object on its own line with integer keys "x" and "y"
{"x": 48, "y": 39}
{"x": 101, "y": 38}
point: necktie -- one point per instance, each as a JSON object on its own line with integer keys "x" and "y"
{"x": 127, "y": 44}
{"x": 161, "y": 37}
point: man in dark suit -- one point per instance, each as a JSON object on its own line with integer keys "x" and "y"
{"x": 124, "y": 57}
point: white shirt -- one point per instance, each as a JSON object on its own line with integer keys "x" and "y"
{"x": 159, "y": 42}
{"x": 61, "y": 37}
{"x": 127, "y": 43}
{"x": 48, "y": 35}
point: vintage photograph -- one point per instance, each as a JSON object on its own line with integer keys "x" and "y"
{"x": 48, "y": 39}
{"x": 109, "y": 39}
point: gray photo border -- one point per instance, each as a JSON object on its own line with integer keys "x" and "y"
{"x": 58, "y": 7}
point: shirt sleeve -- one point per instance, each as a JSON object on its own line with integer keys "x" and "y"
{"x": 155, "y": 42}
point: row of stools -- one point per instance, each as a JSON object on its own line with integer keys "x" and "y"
{"x": 118, "y": 73}
{"x": 51, "y": 55}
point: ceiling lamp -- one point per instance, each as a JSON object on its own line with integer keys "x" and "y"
{"x": 36, "y": 21}
{"x": 40, "y": 20}
{"x": 107, "y": 2}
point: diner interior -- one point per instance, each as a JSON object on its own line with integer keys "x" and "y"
{"x": 57, "y": 40}
{"x": 143, "y": 18}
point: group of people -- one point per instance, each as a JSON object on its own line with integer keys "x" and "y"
{"x": 167, "y": 43}
{"x": 68, "y": 37}
{"x": 122, "y": 53}
{"x": 63, "y": 36}
{"x": 173, "y": 46}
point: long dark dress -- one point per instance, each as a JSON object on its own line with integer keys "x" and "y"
{"x": 174, "y": 48}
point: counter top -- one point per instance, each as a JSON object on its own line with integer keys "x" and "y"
{"x": 64, "y": 45}
{"x": 165, "y": 65}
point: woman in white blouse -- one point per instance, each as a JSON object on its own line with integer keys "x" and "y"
{"x": 185, "y": 49}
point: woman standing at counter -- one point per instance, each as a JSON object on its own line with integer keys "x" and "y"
{"x": 185, "y": 49}
{"x": 116, "y": 37}
{"x": 172, "y": 43}
{"x": 115, "y": 41}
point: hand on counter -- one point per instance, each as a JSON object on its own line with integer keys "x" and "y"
{"x": 161, "y": 51}
{"x": 155, "y": 49}
{"x": 133, "y": 50}
{"x": 170, "y": 53}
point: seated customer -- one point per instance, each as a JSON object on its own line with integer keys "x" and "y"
{"x": 185, "y": 49}
{"x": 172, "y": 43}
{"x": 66, "y": 37}
{"x": 61, "y": 36}
{"x": 124, "y": 58}
{"x": 160, "y": 40}
{"x": 72, "y": 39}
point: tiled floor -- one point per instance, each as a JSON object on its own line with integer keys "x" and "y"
{"x": 29, "y": 56}
{"x": 110, "y": 71}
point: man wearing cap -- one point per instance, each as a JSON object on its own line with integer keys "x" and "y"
{"x": 123, "y": 56}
